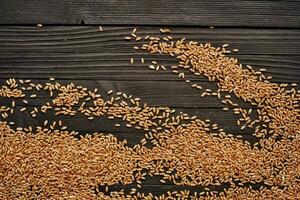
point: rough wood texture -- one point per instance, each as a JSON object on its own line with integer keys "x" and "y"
{"x": 85, "y": 53}
{"x": 225, "y": 120}
{"x": 156, "y": 93}
{"x": 88, "y": 57}
{"x": 95, "y": 59}
{"x": 174, "y": 94}
{"x": 192, "y": 12}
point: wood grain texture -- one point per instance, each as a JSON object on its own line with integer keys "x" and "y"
{"x": 156, "y": 93}
{"x": 85, "y": 56}
{"x": 174, "y": 94}
{"x": 83, "y": 52}
{"x": 225, "y": 120}
{"x": 191, "y": 12}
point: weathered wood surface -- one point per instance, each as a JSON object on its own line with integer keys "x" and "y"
{"x": 266, "y": 32}
{"x": 159, "y": 12}
{"x": 83, "y": 52}
{"x": 85, "y": 56}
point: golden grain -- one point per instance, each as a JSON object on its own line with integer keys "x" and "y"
{"x": 110, "y": 92}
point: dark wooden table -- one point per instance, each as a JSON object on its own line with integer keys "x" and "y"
{"x": 70, "y": 47}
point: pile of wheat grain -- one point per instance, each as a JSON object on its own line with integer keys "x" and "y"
{"x": 186, "y": 150}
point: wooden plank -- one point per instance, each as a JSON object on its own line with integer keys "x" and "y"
{"x": 281, "y": 68}
{"x": 72, "y": 52}
{"x": 225, "y": 120}
{"x": 177, "y": 94}
{"x": 161, "y": 189}
{"x": 87, "y": 38}
{"x": 174, "y": 94}
{"x": 199, "y": 13}
{"x": 164, "y": 188}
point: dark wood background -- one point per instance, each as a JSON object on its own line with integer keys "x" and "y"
{"x": 71, "y": 48}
